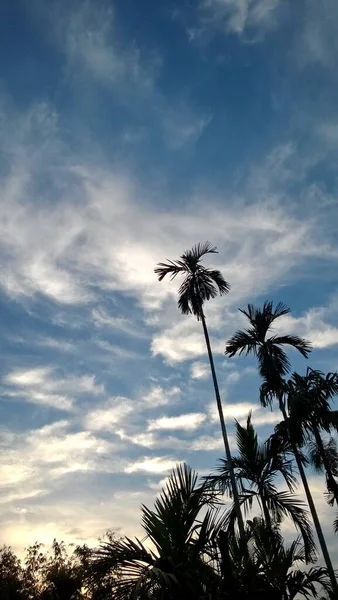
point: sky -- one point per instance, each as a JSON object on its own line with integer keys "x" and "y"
{"x": 129, "y": 132}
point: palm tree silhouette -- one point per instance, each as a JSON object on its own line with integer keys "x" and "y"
{"x": 309, "y": 406}
{"x": 180, "y": 562}
{"x": 199, "y": 285}
{"x": 256, "y": 467}
{"x": 273, "y": 366}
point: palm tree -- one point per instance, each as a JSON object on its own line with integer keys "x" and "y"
{"x": 273, "y": 366}
{"x": 188, "y": 554}
{"x": 309, "y": 406}
{"x": 256, "y": 467}
{"x": 199, "y": 285}
{"x": 179, "y": 564}
{"x": 278, "y": 564}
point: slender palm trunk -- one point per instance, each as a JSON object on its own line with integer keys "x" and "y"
{"x": 312, "y": 507}
{"x": 332, "y": 484}
{"x": 224, "y": 432}
{"x": 265, "y": 509}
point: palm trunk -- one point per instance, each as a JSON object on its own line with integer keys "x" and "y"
{"x": 265, "y": 509}
{"x": 329, "y": 477}
{"x": 224, "y": 432}
{"x": 312, "y": 507}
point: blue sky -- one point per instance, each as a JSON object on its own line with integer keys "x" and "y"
{"x": 129, "y": 132}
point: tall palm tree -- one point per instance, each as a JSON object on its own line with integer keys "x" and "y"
{"x": 178, "y": 565}
{"x": 256, "y": 467}
{"x": 273, "y": 366}
{"x": 199, "y": 285}
{"x": 309, "y": 412}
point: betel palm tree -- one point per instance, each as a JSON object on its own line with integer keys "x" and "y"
{"x": 273, "y": 570}
{"x": 273, "y": 366}
{"x": 256, "y": 467}
{"x": 178, "y": 563}
{"x": 199, "y": 285}
{"x": 278, "y": 564}
{"x": 309, "y": 400}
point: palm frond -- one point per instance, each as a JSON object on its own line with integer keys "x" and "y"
{"x": 198, "y": 251}
{"x": 247, "y": 442}
{"x": 262, "y": 319}
{"x": 335, "y": 525}
{"x": 285, "y": 503}
{"x": 242, "y": 342}
{"x": 305, "y": 583}
{"x": 172, "y": 268}
{"x": 296, "y": 342}
{"x": 218, "y": 279}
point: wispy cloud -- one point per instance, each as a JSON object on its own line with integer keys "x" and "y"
{"x": 37, "y": 457}
{"x": 102, "y": 319}
{"x": 316, "y": 40}
{"x": 110, "y": 414}
{"x": 160, "y": 396}
{"x": 318, "y": 324}
{"x": 200, "y": 370}
{"x": 187, "y": 422}
{"x": 251, "y": 17}
{"x": 46, "y": 386}
{"x": 95, "y": 50}
{"x": 156, "y": 464}
{"x": 240, "y": 412}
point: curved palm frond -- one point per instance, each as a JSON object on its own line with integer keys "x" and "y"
{"x": 242, "y": 342}
{"x": 305, "y": 583}
{"x": 335, "y": 525}
{"x": 175, "y": 510}
{"x": 285, "y": 504}
{"x": 201, "y": 249}
{"x": 296, "y": 342}
{"x": 316, "y": 457}
{"x": 172, "y": 268}
{"x": 262, "y": 319}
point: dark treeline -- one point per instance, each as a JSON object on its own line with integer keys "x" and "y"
{"x": 196, "y": 546}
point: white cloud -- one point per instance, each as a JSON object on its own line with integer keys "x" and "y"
{"x": 314, "y": 325}
{"x": 183, "y": 341}
{"x": 235, "y": 376}
{"x": 240, "y": 411}
{"x": 316, "y": 40}
{"x": 102, "y": 319}
{"x": 37, "y": 457}
{"x": 72, "y": 239}
{"x": 208, "y": 443}
{"x": 113, "y": 412}
{"x": 187, "y": 422}
{"x": 180, "y": 128}
{"x": 92, "y": 42}
{"x": 199, "y": 370}
{"x": 160, "y": 396}
{"x": 46, "y": 386}
{"x": 238, "y": 16}
{"x": 157, "y": 464}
